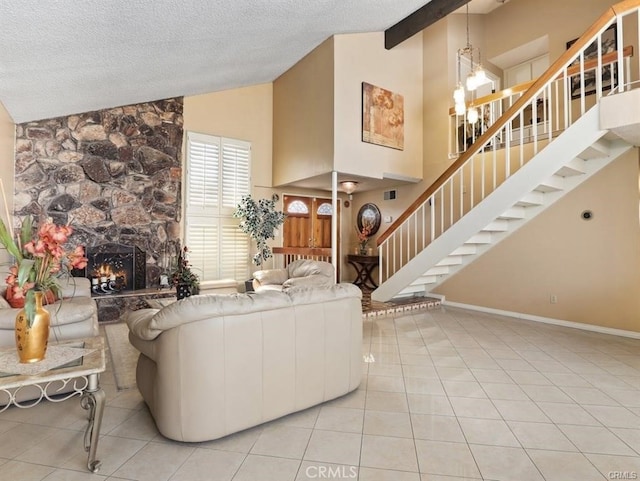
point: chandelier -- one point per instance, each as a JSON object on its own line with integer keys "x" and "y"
{"x": 477, "y": 76}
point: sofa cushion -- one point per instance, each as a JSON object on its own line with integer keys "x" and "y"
{"x": 271, "y": 276}
{"x": 312, "y": 280}
{"x": 309, "y": 267}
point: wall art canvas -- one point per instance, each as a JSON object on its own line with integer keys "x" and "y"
{"x": 609, "y": 43}
{"x": 382, "y": 117}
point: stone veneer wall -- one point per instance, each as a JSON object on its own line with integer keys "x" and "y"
{"x": 114, "y": 175}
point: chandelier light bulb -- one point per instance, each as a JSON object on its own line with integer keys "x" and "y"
{"x": 472, "y": 82}
{"x": 472, "y": 115}
{"x": 481, "y": 75}
{"x": 458, "y": 94}
{"x": 460, "y": 108}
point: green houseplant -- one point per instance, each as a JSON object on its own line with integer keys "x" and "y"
{"x": 183, "y": 278}
{"x": 259, "y": 219}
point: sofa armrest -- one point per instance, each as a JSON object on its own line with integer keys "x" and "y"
{"x": 139, "y": 323}
{"x": 270, "y": 276}
{"x": 75, "y": 287}
{"x": 313, "y": 280}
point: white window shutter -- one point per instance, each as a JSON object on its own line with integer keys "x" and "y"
{"x": 218, "y": 175}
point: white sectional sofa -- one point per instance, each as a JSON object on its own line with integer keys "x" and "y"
{"x": 216, "y": 364}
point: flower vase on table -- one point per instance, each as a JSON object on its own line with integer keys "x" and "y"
{"x": 40, "y": 260}
{"x": 32, "y": 337}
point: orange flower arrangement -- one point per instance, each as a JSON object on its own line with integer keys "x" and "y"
{"x": 364, "y": 234}
{"x": 40, "y": 259}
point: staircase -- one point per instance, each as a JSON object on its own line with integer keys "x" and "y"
{"x": 534, "y": 188}
{"x": 502, "y": 182}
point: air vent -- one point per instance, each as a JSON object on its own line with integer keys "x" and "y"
{"x": 390, "y": 195}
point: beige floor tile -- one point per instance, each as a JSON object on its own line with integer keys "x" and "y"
{"x": 241, "y": 442}
{"x": 376, "y": 369}
{"x": 455, "y": 374}
{"x": 267, "y": 468}
{"x": 429, "y": 404}
{"x": 15, "y": 470}
{"x": 387, "y": 424}
{"x": 138, "y": 426}
{"x": 334, "y": 447}
{"x": 474, "y": 408}
{"x": 385, "y": 383}
{"x": 210, "y": 465}
{"x": 504, "y": 391}
{"x": 436, "y": 428}
{"x": 302, "y": 419}
{"x": 491, "y": 376}
{"x": 282, "y": 441}
{"x": 528, "y": 377}
{"x": 443, "y": 458}
{"x": 437, "y": 477}
{"x": 388, "y": 453}
{"x": 629, "y": 436}
{"x": 55, "y": 450}
{"x": 503, "y": 463}
{"x": 22, "y": 437}
{"x": 416, "y": 359}
{"x": 470, "y": 389}
{"x": 68, "y": 475}
{"x": 112, "y": 453}
{"x": 596, "y": 440}
{"x": 626, "y": 397}
{"x": 129, "y": 399}
{"x": 561, "y": 413}
{"x": 608, "y": 465}
{"x": 340, "y": 419}
{"x": 372, "y": 474}
{"x": 614, "y": 417}
{"x": 567, "y": 379}
{"x": 157, "y": 462}
{"x": 563, "y": 466}
{"x": 520, "y": 411}
{"x": 586, "y": 395}
{"x": 417, "y": 385}
{"x": 355, "y": 399}
{"x": 540, "y": 436}
{"x": 546, "y": 394}
{"x": 493, "y": 432}
{"x": 386, "y": 401}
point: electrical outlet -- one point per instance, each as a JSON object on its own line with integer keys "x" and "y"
{"x": 553, "y": 299}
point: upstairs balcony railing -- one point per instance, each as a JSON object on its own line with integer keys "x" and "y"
{"x": 534, "y": 115}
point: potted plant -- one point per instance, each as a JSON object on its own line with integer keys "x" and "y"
{"x": 260, "y": 220}
{"x": 186, "y": 281}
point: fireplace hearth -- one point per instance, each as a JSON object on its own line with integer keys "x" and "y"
{"x": 114, "y": 268}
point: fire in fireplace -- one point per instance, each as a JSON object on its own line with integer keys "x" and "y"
{"x": 113, "y": 268}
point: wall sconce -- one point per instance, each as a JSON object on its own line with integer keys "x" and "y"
{"x": 349, "y": 186}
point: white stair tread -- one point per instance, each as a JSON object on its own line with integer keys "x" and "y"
{"x": 514, "y": 213}
{"x": 465, "y": 250}
{"x": 437, "y": 271}
{"x": 573, "y": 167}
{"x": 552, "y": 184}
{"x": 421, "y": 281}
{"x": 450, "y": 261}
{"x": 498, "y": 225}
{"x": 532, "y": 198}
{"x": 597, "y": 150}
{"x": 480, "y": 238}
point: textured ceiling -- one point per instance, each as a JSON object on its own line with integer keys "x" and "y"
{"x": 68, "y": 56}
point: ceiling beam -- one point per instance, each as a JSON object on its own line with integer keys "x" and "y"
{"x": 419, "y": 20}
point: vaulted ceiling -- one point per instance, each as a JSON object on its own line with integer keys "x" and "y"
{"x": 69, "y": 56}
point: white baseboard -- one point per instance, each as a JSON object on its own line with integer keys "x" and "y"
{"x": 547, "y": 320}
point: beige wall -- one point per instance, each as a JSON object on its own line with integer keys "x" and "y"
{"x": 7, "y": 141}
{"x": 303, "y": 115}
{"x": 363, "y": 58}
{"x": 591, "y": 266}
{"x": 244, "y": 114}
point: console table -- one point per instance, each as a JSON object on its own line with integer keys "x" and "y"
{"x": 79, "y": 376}
{"x": 364, "y": 266}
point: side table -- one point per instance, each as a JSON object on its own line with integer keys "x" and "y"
{"x": 81, "y": 375}
{"x": 364, "y": 266}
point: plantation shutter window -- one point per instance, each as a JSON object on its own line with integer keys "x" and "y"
{"x": 218, "y": 175}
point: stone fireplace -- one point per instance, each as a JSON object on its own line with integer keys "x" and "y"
{"x": 114, "y": 175}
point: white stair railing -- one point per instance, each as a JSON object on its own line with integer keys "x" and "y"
{"x": 572, "y": 85}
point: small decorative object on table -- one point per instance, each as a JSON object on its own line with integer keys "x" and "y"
{"x": 363, "y": 237}
{"x": 186, "y": 281}
{"x": 40, "y": 261}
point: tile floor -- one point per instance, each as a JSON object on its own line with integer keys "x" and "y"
{"x": 452, "y": 395}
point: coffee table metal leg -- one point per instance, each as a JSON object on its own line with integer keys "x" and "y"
{"x": 93, "y": 399}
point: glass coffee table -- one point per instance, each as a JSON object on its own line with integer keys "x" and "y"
{"x": 70, "y": 368}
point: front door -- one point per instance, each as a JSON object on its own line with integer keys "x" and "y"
{"x": 308, "y": 222}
